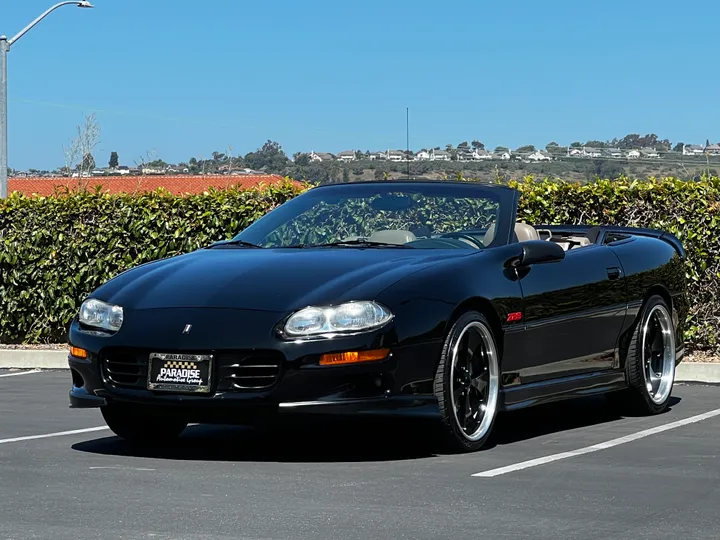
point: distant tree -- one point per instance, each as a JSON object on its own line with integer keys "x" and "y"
{"x": 707, "y": 143}
{"x": 630, "y": 141}
{"x": 477, "y": 145}
{"x": 634, "y": 140}
{"x": 526, "y": 148}
{"x": 81, "y": 148}
{"x": 463, "y": 144}
{"x": 270, "y": 157}
{"x": 596, "y": 144}
{"x": 301, "y": 159}
{"x": 156, "y": 164}
{"x": 576, "y": 145}
{"x": 501, "y": 149}
{"x": 346, "y": 175}
{"x": 678, "y": 147}
{"x": 88, "y": 162}
{"x": 114, "y": 161}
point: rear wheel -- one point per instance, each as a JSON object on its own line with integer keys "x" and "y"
{"x": 467, "y": 383}
{"x": 140, "y": 426}
{"x": 650, "y": 362}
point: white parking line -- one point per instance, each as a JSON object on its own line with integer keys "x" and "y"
{"x": 57, "y": 434}
{"x": 19, "y": 373}
{"x": 596, "y": 447}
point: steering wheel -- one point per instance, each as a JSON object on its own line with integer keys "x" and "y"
{"x": 464, "y": 236}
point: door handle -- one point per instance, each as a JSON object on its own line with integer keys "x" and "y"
{"x": 613, "y": 272}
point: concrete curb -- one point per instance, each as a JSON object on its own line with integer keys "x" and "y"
{"x": 703, "y": 372}
{"x": 34, "y": 359}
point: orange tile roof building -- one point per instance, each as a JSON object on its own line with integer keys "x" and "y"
{"x": 177, "y": 185}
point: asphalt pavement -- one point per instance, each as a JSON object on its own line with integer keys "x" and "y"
{"x": 547, "y": 474}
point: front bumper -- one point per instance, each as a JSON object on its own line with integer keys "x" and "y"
{"x": 402, "y": 384}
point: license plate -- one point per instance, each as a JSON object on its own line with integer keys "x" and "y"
{"x": 179, "y": 372}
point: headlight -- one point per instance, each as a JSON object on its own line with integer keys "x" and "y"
{"x": 346, "y": 318}
{"x": 99, "y": 314}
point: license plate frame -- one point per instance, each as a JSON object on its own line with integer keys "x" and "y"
{"x": 177, "y": 381}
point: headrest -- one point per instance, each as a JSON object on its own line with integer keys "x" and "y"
{"x": 392, "y": 236}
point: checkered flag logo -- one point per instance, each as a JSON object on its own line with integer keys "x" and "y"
{"x": 181, "y": 365}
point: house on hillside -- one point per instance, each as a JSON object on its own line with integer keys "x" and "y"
{"x": 395, "y": 155}
{"x": 440, "y": 155}
{"x": 649, "y": 153}
{"x": 713, "y": 149}
{"x": 422, "y": 155}
{"x": 613, "y": 152}
{"x": 347, "y": 155}
{"x": 692, "y": 150}
{"x": 482, "y": 155}
{"x": 539, "y": 155}
{"x": 503, "y": 155}
{"x": 474, "y": 154}
{"x": 144, "y": 169}
{"x": 182, "y": 169}
{"x": 246, "y": 171}
{"x": 591, "y": 152}
{"x": 321, "y": 156}
{"x": 633, "y": 154}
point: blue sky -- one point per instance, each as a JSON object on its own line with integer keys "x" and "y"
{"x": 185, "y": 77}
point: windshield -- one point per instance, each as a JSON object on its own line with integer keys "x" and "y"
{"x": 376, "y": 215}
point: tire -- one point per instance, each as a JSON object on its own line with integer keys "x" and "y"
{"x": 454, "y": 383}
{"x": 649, "y": 393}
{"x": 142, "y": 427}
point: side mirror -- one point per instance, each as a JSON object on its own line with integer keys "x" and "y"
{"x": 537, "y": 252}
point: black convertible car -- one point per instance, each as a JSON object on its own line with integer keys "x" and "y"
{"x": 393, "y": 297}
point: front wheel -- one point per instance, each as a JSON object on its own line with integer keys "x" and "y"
{"x": 467, "y": 383}
{"x": 142, "y": 427}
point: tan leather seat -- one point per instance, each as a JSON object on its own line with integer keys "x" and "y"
{"x": 523, "y": 231}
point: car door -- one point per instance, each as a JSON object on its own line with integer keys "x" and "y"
{"x": 573, "y": 311}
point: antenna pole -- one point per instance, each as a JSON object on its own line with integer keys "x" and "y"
{"x": 407, "y": 136}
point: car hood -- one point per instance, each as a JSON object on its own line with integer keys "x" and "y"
{"x": 266, "y": 279}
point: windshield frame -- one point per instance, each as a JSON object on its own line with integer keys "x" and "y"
{"x": 506, "y": 197}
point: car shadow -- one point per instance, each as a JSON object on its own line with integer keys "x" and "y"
{"x": 562, "y": 416}
{"x": 332, "y": 440}
{"x": 355, "y": 440}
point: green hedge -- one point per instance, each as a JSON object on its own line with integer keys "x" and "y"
{"x": 55, "y": 250}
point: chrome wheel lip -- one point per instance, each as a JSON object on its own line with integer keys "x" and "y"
{"x": 492, "y": 385}
{"x": 659, "y": 384}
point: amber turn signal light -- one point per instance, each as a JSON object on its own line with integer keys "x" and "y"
{"x": 353, "y": 357}
{"x": 77, "y": 352}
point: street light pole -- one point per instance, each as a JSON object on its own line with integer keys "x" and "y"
{"x": 4, "y": 47}
{"x": 5, "y": 44}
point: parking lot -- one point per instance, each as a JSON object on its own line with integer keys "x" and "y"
{"x": 547, "y": 474}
